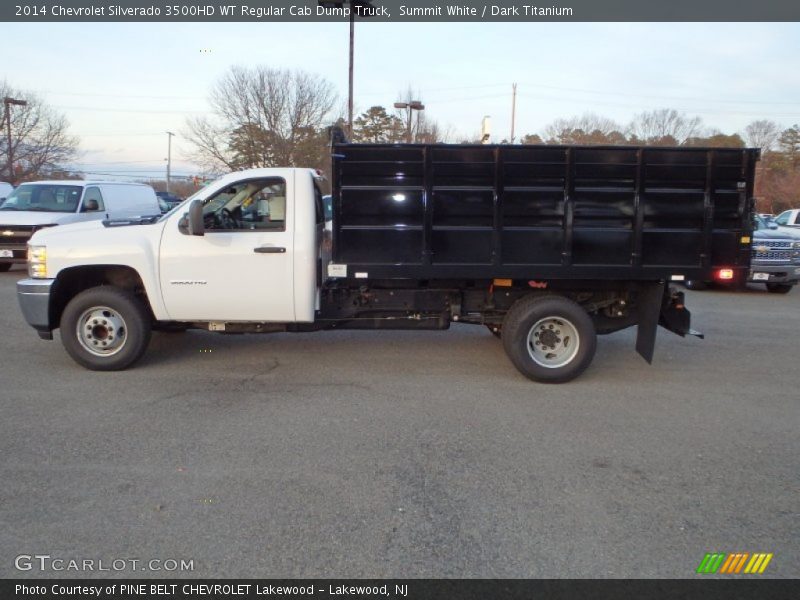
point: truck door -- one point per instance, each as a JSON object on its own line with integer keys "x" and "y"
{"x": 242, "y": 268}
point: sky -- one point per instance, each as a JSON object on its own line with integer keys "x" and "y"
{"x": 122, "y": 86}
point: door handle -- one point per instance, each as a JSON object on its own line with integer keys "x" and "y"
{"x": 270, "y": 250}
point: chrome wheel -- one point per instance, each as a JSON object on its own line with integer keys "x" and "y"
{"x": 553, "y": 342}
{"x": 101, "y": 331}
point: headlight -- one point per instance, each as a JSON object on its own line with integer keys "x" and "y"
{"x": 796, "y": 245}
{"x": 37, "y": 262}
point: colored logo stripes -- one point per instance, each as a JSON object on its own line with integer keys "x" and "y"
{"x": 735, "y": 563}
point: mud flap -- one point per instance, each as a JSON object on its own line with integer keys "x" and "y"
{"x": 651, "y": 298}
{"x": 659, "y": 305}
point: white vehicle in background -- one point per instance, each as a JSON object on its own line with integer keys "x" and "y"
{"x": 33, "y": 206}
{"x": 789, "y": 218}
{"x": 5, "y": 190}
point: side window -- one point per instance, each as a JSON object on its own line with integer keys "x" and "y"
{"x": 92, "y": 200}
{"x": 257, "y": 204}
{"x": 783, "y": 218}
{"x": 319, "y": 205}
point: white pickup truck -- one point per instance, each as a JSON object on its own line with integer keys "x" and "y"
{"x": 421, "y": 236}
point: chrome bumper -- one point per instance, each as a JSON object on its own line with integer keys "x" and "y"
{"x": 785, "y": 273}
{"x": 34, "y": 300}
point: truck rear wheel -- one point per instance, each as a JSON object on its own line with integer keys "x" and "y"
{"x": 5, "y": 267}
{"x": 549, "y": 339}
{"x": 105, "y": 328}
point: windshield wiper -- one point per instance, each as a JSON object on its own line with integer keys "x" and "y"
{"x": 8, "y": 208}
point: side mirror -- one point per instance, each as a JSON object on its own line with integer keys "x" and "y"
{"x": 772, "y": 225}
{"x": 90, "y": 205}
{"x": 194, "y": 219}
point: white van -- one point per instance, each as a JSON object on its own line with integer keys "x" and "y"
{"x": 32, "y": 206}
{"x": 5, "y": 190}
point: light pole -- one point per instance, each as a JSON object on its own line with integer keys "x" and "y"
{"x": 8, "y": 102}
{"x": 169, "y": 156}
{"x": 409, "y": 107}
{"x": 354, "y": 4}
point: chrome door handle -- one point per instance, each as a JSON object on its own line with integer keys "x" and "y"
{"x": 270, "y": 250}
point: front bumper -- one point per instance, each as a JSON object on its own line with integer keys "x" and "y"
{"x": 19, "y": 253}
{"x": 776, "y": 273}
{"x": 34, "y": 300}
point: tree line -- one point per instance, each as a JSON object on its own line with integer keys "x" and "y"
{"x": 266, "y": 117}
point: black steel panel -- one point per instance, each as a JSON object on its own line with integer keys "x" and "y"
{"x": 392, "y": 207}
{"x": 532, "y": 246}
{"x": 381, "y": 246}
{"x": 428, "y": 211}
{"x": 462, "y": 245}
{"x": 601, "y": 247}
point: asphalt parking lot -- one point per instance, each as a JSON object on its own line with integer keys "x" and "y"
{"x": 407, "y": 454}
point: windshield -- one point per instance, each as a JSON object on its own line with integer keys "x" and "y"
{"x": 44, "y": 198}
{"x": 762, "y": 222}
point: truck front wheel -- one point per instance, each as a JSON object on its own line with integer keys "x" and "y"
{"x": 105, "y": 328}
{"x": 550, "y": 339}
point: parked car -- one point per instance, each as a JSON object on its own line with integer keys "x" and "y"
{"x": 775, "y": 258}
{"x": 5, "y": 190}
{"x": 33, "y": 206}
{"x": 789, "y": 218}
{"x": 168, "y": 201}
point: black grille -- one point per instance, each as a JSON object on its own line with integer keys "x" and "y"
{"x": 15, "y": 235}
{"x": 785, "y": 255}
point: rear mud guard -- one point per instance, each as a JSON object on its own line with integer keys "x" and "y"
{"x": 660, "y": 305}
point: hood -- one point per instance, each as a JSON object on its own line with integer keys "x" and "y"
{"x": 42, "y": 235}
{"x": 781, "y": 233}
{"x": 35, "y": 217}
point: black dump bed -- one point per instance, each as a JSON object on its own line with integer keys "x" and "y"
{"x": 559, "y": 212}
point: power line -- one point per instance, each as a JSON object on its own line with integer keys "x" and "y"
{"x": 684, "y": 109}
{"x": 658, "y": 97}
{"x": 129, "y": 110}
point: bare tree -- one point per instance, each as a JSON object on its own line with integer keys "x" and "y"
{"x": 40, "y": 141}
{"x": 762, "y": 134}
{"x": 664, "y": 127}
{"x": 586, "y": 129}
{"x": 264, "y": 117}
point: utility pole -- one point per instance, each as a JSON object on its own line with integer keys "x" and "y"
{"x": 169, "y": 156}
{"x": 8, "y": 102}
{"x": 513, "y": 109}
{"x": 350, "y": 72}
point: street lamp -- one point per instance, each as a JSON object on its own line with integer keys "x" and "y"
{"x": 409, "y": 107}
{"x": 361, "y": 5}
{"x": 8, "y": 102}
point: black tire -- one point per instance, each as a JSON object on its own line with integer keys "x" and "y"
{"x": 779, "y": 288}
{"x": 541, "y": 312}
{"x": 5, "y": 267}
{"x": 121, "y": 307}
{"x": 696, "y": 285}
{"x": 495, "y": 330}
